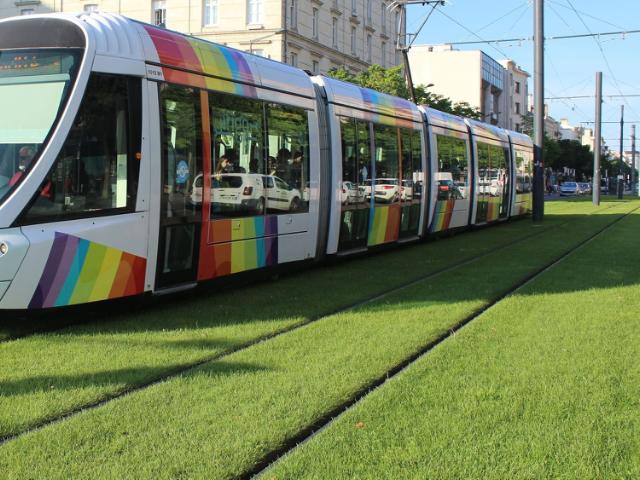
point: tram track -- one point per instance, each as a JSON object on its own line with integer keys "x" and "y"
{"x": 307, "y": 434}
{"x": 171, "y": 373}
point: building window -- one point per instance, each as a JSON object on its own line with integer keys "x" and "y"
{"x": 518, "y": 108}
{"x": 316, "y": 67}
{"x": 517, "y": 87}
{"x": 353, "y": 40}
{"x": 160, "y": 13}
{"x": 334, "y": 32}
{"x": 211, "y": 12}
{"x": 293, "y": 59}
{"x": 369, "y": 48}
{"x": 316, "y": 14}
{"x": 383, "y": 61}
{"x": 369, "y": 12}
{"x": 293, "y": 14}
{"x": 354, "y": 8}
{"x": 90, "y": 7}
{"x": 518, "y": 127}
{"x": 384, "y": 18}
{"x": 255, "y": 11}
{"x": 27, "y": 11}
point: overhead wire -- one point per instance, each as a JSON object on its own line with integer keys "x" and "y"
{"x": 604, "y": 56}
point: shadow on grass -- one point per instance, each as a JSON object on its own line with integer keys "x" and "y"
{"x": 120, "y": 379}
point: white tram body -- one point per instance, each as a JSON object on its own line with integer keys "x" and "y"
{"x": 135, "y": 159}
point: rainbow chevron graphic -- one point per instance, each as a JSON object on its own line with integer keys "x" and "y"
{"x": 80, "y": 271}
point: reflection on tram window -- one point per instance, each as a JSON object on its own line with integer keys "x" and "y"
{"x": 356, "y": 171}
{"x": 411, "y": 187}
{"x": 97, "y": 168}
{"x": 237, "y": 185}
{"x": 288, "y": 159}
{"x": 452, "y": 171}
{"x": 182, "y": 146}
{"x": 34, "y": 87}
{"x": 523, "y": 171}
{"x": 387, "y": 184}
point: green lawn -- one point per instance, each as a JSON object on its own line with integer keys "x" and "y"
{"x": 47, "y": 375}
{"x": 218, "y": 420}
{"x": 544, "y": 385}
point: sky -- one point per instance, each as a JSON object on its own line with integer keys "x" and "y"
{"x": 570, "y": 65}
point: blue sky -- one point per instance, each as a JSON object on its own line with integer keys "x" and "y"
{"x": 570, "y": 64}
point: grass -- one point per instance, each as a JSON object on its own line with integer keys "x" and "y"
{"x": 219, "y": 419}
{"x": 46, "y": 375}
{"x": 545, "y": 384}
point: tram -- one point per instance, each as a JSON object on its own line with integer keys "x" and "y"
{"x": 138, "y": 160}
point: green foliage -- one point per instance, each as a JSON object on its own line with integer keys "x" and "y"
{"x": 391, "y": 81}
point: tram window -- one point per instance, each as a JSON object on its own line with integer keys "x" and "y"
{"x": 387, "y": 185}
{"x": 238, "y": 167}
{"x": 98, "y": 166}
{"x": 484, "y": 168}
{"x": 181, "y": 147}
{"x": 523, "y": 171}
{"x": 416, "y": 156}
{"x": 288, "y": 158}
{"x": 453, "y": 164}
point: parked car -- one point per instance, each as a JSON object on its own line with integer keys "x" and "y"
{"x": 247, "y": 192}
{"x": 585, "y": 188}
{"x": 351, "y": 194}
{"x": 387, "y": 190}
{"x": 569, "y": 188}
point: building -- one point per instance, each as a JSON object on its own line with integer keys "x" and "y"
{"x": 518, "y": 87}
{"x": 569, "y": 132}
{"x": 315, "y": 35}
{"x": 498, "y": 90}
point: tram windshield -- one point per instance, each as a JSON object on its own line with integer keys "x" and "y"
{"x": 34, "y": 86}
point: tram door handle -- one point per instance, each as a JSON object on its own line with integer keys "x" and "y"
{"x": 289, "y": 220}
{"x": 235, "y": 225}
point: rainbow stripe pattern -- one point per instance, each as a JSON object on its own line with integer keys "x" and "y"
{"x": 240, "y": 245}
{"x": 442, "y": 215}
{"x": 81, "y": 271}
{"x": 388, "y": 109}
{"x": 208, "y": 65}
{"x": 384, "y": 224}
{"x": 493, "y": 207}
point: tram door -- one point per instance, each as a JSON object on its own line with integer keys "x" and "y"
{"x": 180, "y": 217}
{"x": 484, "y": 182}
{"x": 356, "y": 189}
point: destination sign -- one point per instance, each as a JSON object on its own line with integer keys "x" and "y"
{"x": 31, "y": 63}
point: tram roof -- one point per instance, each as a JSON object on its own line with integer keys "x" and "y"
{"x": 368, "y": 100}
{"x": 125, "y": 39}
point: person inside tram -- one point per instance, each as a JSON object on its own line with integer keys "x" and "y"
{"x": 25, "y": 156}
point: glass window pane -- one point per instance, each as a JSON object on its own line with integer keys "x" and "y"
{"x": 387, "y": 188}
{"x": 452, "y": 174}
{"x": 34, "y": 86}
{"x": 288, "y": 153}
{"x": 97, "y": 168}
{"x": 237, "y": 184}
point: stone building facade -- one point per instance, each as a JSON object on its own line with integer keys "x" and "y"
{"x": 314, "y": 35}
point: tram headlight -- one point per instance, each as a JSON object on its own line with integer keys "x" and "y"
{"x": 4, "y": 248}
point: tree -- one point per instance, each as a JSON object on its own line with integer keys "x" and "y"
{"x": 391, "y": 81}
